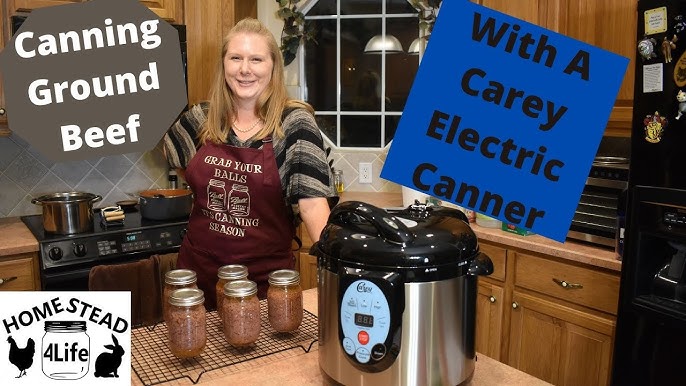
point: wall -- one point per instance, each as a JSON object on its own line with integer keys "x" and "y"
{"x": 344, "y": 159}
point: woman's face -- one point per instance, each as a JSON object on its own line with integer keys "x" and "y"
{"x": 247, "y": 66}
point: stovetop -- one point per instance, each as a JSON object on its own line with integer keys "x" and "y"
{"x": 137, "y": 238}
{"x": 133, "y": 221}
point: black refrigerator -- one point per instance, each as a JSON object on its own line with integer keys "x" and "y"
{"x": 650, "y": 339}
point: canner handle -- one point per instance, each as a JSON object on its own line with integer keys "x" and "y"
{"x": 387, "y": 225}
{"x": 481, "y": 265}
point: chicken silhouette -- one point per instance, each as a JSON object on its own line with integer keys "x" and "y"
{"x": 22, "y": 357}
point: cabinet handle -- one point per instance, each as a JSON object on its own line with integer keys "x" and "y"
{"x": 2, "y": 111}
{"x": 515, "y": 305}
{"x": 492, "y": 299}
{"x": 566, "y": 285}
{"x": 5, "y": 280}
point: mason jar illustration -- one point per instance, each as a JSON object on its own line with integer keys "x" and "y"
{"x": 66, "y": 350}
{"x": 216, "y": 196}
{"x": 239, "y": 201}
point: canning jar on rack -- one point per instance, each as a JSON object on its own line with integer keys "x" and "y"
{"x": 176, "y": 279}
{"x": 241, "y": 313}
{"x": 285, "y": 300}
{"x": 186, "y": 323}
{"x": 226, "y": 274}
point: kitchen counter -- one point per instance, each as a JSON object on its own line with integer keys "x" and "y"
{"x": 294, "y": 367}
{"x": 15, "y": 237}
{"x": 569, "y": 250}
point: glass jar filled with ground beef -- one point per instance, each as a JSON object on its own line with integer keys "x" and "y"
{"x": 285, "y": 300}
{"x": 241, "y": 313}
{"x": 176, "y": 279}
{"x": 226, "y": 274}
{"x": 186, "y": 324}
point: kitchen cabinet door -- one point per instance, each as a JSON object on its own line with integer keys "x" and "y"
{"x": 25, "y": 268}
{"x": 559, "y": 344}
{"x": 308, "y": 271}
{"x": 534, "y": 11}
{"x": 14, "y": 6}
{"x": 489, "y": 319}
{"x": 170, "y": 10}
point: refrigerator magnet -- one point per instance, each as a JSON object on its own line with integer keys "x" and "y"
{"x": 679, "y": 24}
{"x": 680, "y": 71}
{"x": 646, "y": 48}
{"x": 654, "y": 126}
{"x": 667, "y": 47}
{"x": 681, "y": 98}
{"x": 655, "y": 20}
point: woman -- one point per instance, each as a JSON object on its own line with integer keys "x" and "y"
{"x": 249, "y": 154}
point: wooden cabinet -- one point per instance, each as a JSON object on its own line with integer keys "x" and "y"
{"x": 4, "y": 36}
{"x": 170, "y": 10}
{"x": 609, "y": 24}
{"x": 306, "y": 263}
{"x": 549, "y": 317}
{"x": 25, "y": 268}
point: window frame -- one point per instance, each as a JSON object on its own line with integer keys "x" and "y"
{"x": 338, "y": 113}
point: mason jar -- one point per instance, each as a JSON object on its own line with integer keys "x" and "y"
{"x": 176, "y": 279}
{"x": 186, "y": 324}
{"x": 285, "y": 300}
{"x": 241, "y": 313}
{"x": 226, "y": 274}
{"x": 58, "y": 335}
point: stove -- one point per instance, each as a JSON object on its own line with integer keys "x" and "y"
{"x": 66, "y": 260}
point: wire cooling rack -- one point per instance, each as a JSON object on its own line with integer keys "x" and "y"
{"x": 153, "y": 362}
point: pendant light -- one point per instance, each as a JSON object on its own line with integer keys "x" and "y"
{"x": 378, "y": 43}
{"x": 414, "y": 46}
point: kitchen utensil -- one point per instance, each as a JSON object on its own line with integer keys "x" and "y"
{"x": 127, "y": 205}
{"x": 165, "y": 204}
{"x": 67, "y": 213}
{"x": 7, "y": 279}
{"x": 397, "y": 295}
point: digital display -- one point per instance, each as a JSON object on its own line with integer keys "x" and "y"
{"x": 364, "y": 320}
{"x": 132, "y": 237}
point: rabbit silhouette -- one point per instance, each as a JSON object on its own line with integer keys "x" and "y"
{"x": 107, "y": 363}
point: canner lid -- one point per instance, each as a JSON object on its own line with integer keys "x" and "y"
{"x": 418, "y": 236}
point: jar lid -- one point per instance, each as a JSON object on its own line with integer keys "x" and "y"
{"x": 233, "y": 272}
{"x": 185, "y": 297}
{"x": 284, "y": 277}
{"x": 180, "y": 277}
{"x": 240, "y": 288}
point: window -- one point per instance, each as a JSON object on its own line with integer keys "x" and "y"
{"x": 359, "y": 96}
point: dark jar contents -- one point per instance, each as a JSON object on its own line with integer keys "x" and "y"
{"x": 173, "y": 280}
{"x": 241, "y": 313}
{"x": 186, "y": 324}
{"x": 285, "y": 300}
{"x": 226, "y": 274}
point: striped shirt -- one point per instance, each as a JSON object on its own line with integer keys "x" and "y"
{"x": 300, "y": 155}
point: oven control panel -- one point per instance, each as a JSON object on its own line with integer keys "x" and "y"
{"x": 109, "y": 246}
{"x": 674, "y": 218}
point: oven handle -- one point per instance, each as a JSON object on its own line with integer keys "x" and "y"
{"x": 65, "y": 276}
{"x": 613, "y": 184}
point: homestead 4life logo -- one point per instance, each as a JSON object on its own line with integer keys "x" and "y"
{"x": 65, "y": 338}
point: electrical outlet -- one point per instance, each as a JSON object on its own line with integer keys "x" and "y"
{"x": 365, "y": 171}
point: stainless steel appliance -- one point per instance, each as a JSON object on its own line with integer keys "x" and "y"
{"x": 397, "y": 295}
{"x": 66, "y": 260}
{"x": 595, "y": 218}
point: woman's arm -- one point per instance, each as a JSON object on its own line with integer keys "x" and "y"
{"x": 314, "y": 213}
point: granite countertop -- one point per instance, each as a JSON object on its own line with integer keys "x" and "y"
{"x": 294, "y": 367}
{"x": 16, "y": 237}
{"x": 569, "y": 250}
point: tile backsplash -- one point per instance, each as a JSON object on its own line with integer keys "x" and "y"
{"x": 25, "y": 174}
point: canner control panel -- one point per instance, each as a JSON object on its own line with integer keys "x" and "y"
{"x": 365, "y": 322}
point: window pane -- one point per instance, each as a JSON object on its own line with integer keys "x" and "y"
{"x": 399, "y": 6}
{"x": 356, "y": 88}
{"x": 323, "y": 7}
{"x": 320, "y": 61}
{"x": 360, "y": 131}
{"x": 360, "y": 7}
{"x": 400, "y": 68}
{"x": 391, "y": 126}
{"x": 327, "y": 124}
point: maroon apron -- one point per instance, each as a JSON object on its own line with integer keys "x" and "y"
{"x": 239, "y": 216}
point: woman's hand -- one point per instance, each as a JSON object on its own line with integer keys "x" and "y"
{"x": 314, "y": 213}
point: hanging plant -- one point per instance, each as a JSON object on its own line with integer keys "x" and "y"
{"x": 295, "y": 29}
{"x": 428, "y": 10}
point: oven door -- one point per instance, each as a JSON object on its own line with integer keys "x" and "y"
{"x": 75, "y": 278}
{"x": 595, "y": 218}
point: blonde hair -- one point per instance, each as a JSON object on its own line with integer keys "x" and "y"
{"x": 270, "y": 105}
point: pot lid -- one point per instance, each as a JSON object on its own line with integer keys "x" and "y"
{"x": 418, "y": 236}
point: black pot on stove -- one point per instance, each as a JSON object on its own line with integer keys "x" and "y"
{"x": 397, "y": 295}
